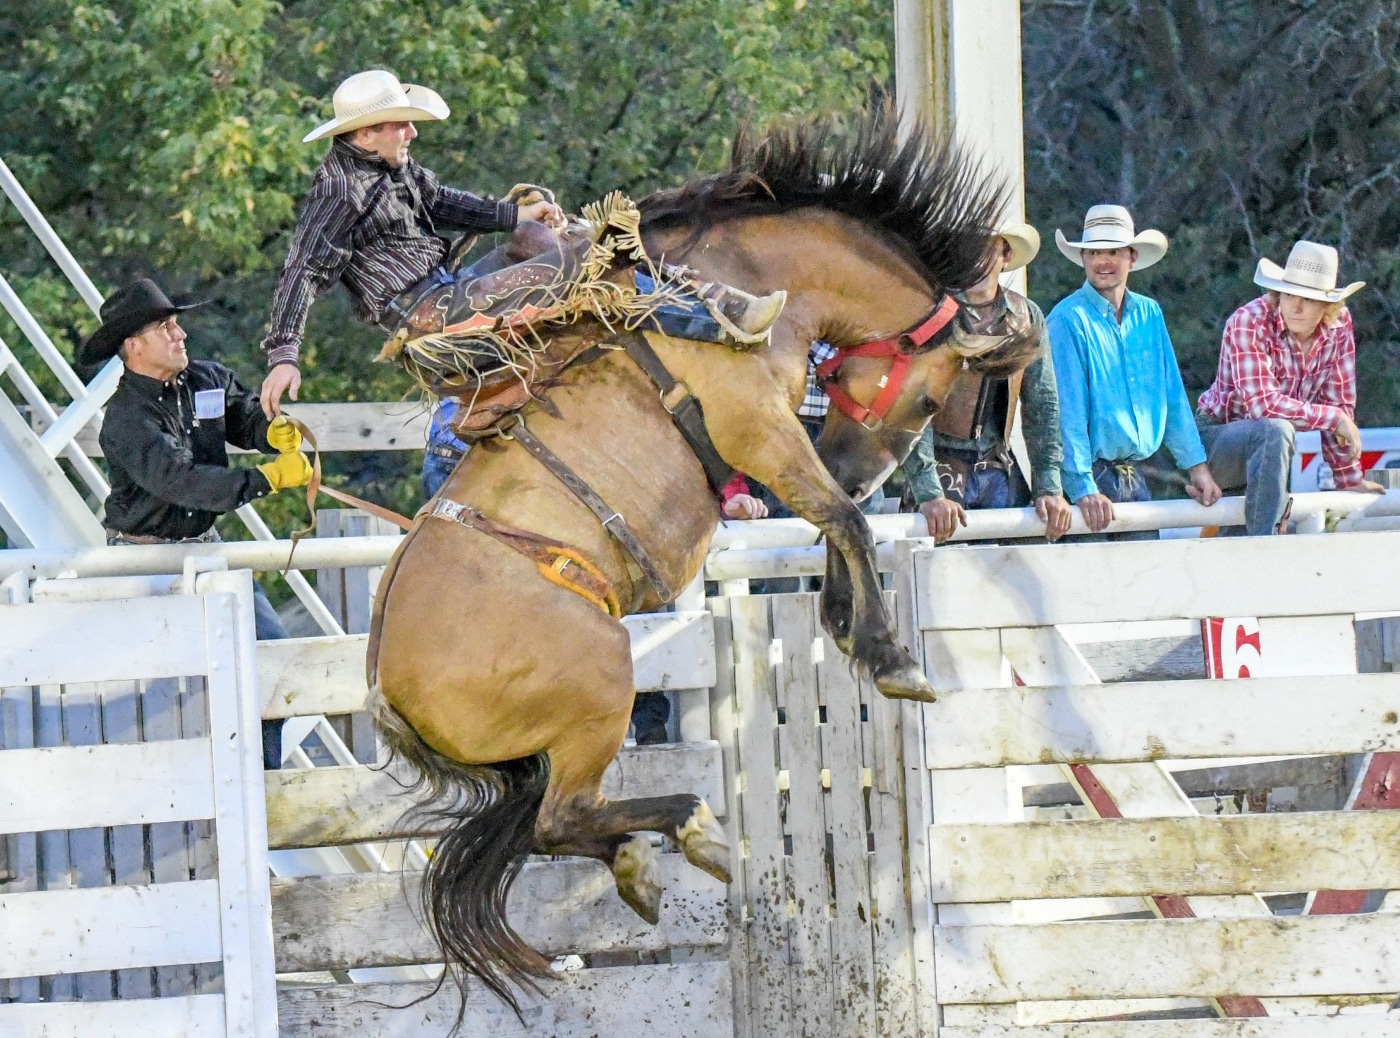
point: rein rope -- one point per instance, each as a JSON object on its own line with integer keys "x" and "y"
{"x": 925, "y": 335}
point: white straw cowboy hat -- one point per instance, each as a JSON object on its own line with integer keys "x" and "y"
{"x": 1024, "y": 242}
{"x": 1311, "y": 273}
{"x": 376, "y": 96}
{"x": 1111, "y": 227}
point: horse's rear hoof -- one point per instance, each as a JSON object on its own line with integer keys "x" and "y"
{"x": 907, "y": 682}
{"x": 638, "y": 879}
{"x": 702, "y": 839}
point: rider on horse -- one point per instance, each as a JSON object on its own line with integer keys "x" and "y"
{"x": 372, "y": 221}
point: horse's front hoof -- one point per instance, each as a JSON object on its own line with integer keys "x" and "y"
{"x": 703, "y": 841}
{"x": 638, "y": 878}
{"x": 906, "y": 682}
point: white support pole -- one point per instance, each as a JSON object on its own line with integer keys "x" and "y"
{"x": 49, "y": 238}
{"x": 958, "y": 66}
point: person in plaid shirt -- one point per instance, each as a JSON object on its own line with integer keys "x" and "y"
{"x": 1287, "y": 362}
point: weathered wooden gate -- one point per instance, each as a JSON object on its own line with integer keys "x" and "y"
{"x": 821, "y": 929}
{"x": 898, "y": 870}
{"x": 1138, "y": 906}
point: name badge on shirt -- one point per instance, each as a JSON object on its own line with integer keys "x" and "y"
{"x": 209, "y": 403}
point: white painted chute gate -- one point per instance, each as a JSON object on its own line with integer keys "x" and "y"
{"x": 1092, "y": 834}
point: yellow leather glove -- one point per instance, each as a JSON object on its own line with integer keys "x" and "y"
{"x": 289, "y": 469}
{"x": 282, "y": 435}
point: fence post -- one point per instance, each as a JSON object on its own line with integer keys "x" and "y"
{"x": 349, "y": 595}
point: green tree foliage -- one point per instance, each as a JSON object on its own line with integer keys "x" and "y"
{"x": 1237, "y": 127}
{"x": 163, "y": 137}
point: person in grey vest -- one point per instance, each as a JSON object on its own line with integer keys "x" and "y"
{"x": 963, "y": 460}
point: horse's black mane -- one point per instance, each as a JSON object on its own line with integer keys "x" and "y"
{"x": 926, "y": 194}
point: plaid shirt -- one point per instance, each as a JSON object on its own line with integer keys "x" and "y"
{"x": 1264, "y": 373}
{"x": 374, "y": 227}
{"x": 815, "y": 402}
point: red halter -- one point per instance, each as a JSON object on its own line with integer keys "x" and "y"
{"x": 901, "y": 348}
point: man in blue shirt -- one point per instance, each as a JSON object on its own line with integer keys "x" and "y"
{"x": 1121, "y": 396}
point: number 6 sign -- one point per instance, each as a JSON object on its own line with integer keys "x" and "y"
{"x": 1233, "y": 647}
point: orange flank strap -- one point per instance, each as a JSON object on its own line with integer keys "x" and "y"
{"x": 556, "y": 562}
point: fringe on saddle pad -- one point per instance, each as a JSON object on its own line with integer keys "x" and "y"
{"x": 614, "y": 223}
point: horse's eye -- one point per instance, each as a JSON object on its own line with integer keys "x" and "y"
{"x": 929, "y": 405}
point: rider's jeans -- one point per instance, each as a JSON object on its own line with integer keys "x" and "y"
{"x": 686, "y": 320}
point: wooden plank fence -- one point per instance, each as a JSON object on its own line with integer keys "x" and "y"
{"x": 820, "y": 906}
{"x": 1030, "y": 935}
{"x": 899, "y": 869}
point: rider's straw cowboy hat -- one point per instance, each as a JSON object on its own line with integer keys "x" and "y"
{"x": 1024, "y": 242}
{"x": 376, "y": 96}
{"x": 1111, "y": 227}
{"x": 1311, "y": 273}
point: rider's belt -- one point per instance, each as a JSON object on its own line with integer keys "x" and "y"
{"x": 209, "y": 536}
{"x": 450, "y": 453}
{"x": 398, "y": 309}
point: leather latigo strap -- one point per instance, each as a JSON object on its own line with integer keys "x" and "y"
{"x": 315, "y": 487}
{"x": 610, "y": 518}
{"x": 681, "y": 405}
{"x": 559, "y": 563}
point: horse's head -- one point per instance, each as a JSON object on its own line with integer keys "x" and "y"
{"x": 884, "y": 393}
{"x": 869, "y": 230}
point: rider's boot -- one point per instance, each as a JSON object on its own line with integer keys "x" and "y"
{"x": 747, "y": 318}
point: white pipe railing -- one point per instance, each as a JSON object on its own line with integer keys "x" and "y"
{"x": 788, "y": 548}
{"x": 761, "y": 548}
{"x": 151, "y": 559}
{"x": 49, "y": 238}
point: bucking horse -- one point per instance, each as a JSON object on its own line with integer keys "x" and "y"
{"x": 508, "y": 686}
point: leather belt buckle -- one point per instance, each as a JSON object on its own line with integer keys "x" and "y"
{"x": 674, "y": 397}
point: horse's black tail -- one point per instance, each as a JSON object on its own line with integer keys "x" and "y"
{"x": 484, "y": 820}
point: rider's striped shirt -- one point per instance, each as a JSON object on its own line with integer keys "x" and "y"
{"x": 375, "y": 228}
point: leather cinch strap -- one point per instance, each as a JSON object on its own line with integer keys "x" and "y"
{"x": 557, "y": 562}
{"x": 611, "y": 519}
{"x": 685, "y": 411}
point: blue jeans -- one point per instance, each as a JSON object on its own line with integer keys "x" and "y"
{"x": 989, "y": 488}
{"x": 650, "y": 712}
{"x": 436, "y": 468}
{"x": 688, "y": 320}
{"x": 267, "y": 627}
{"x": 1256, "y": 455}
{"x": 1122, "y": 483}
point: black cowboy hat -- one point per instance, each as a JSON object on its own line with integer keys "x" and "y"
{"x": 125, "y": 312}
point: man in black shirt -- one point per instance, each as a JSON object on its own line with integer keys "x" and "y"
{"x": 164, "y": 438}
